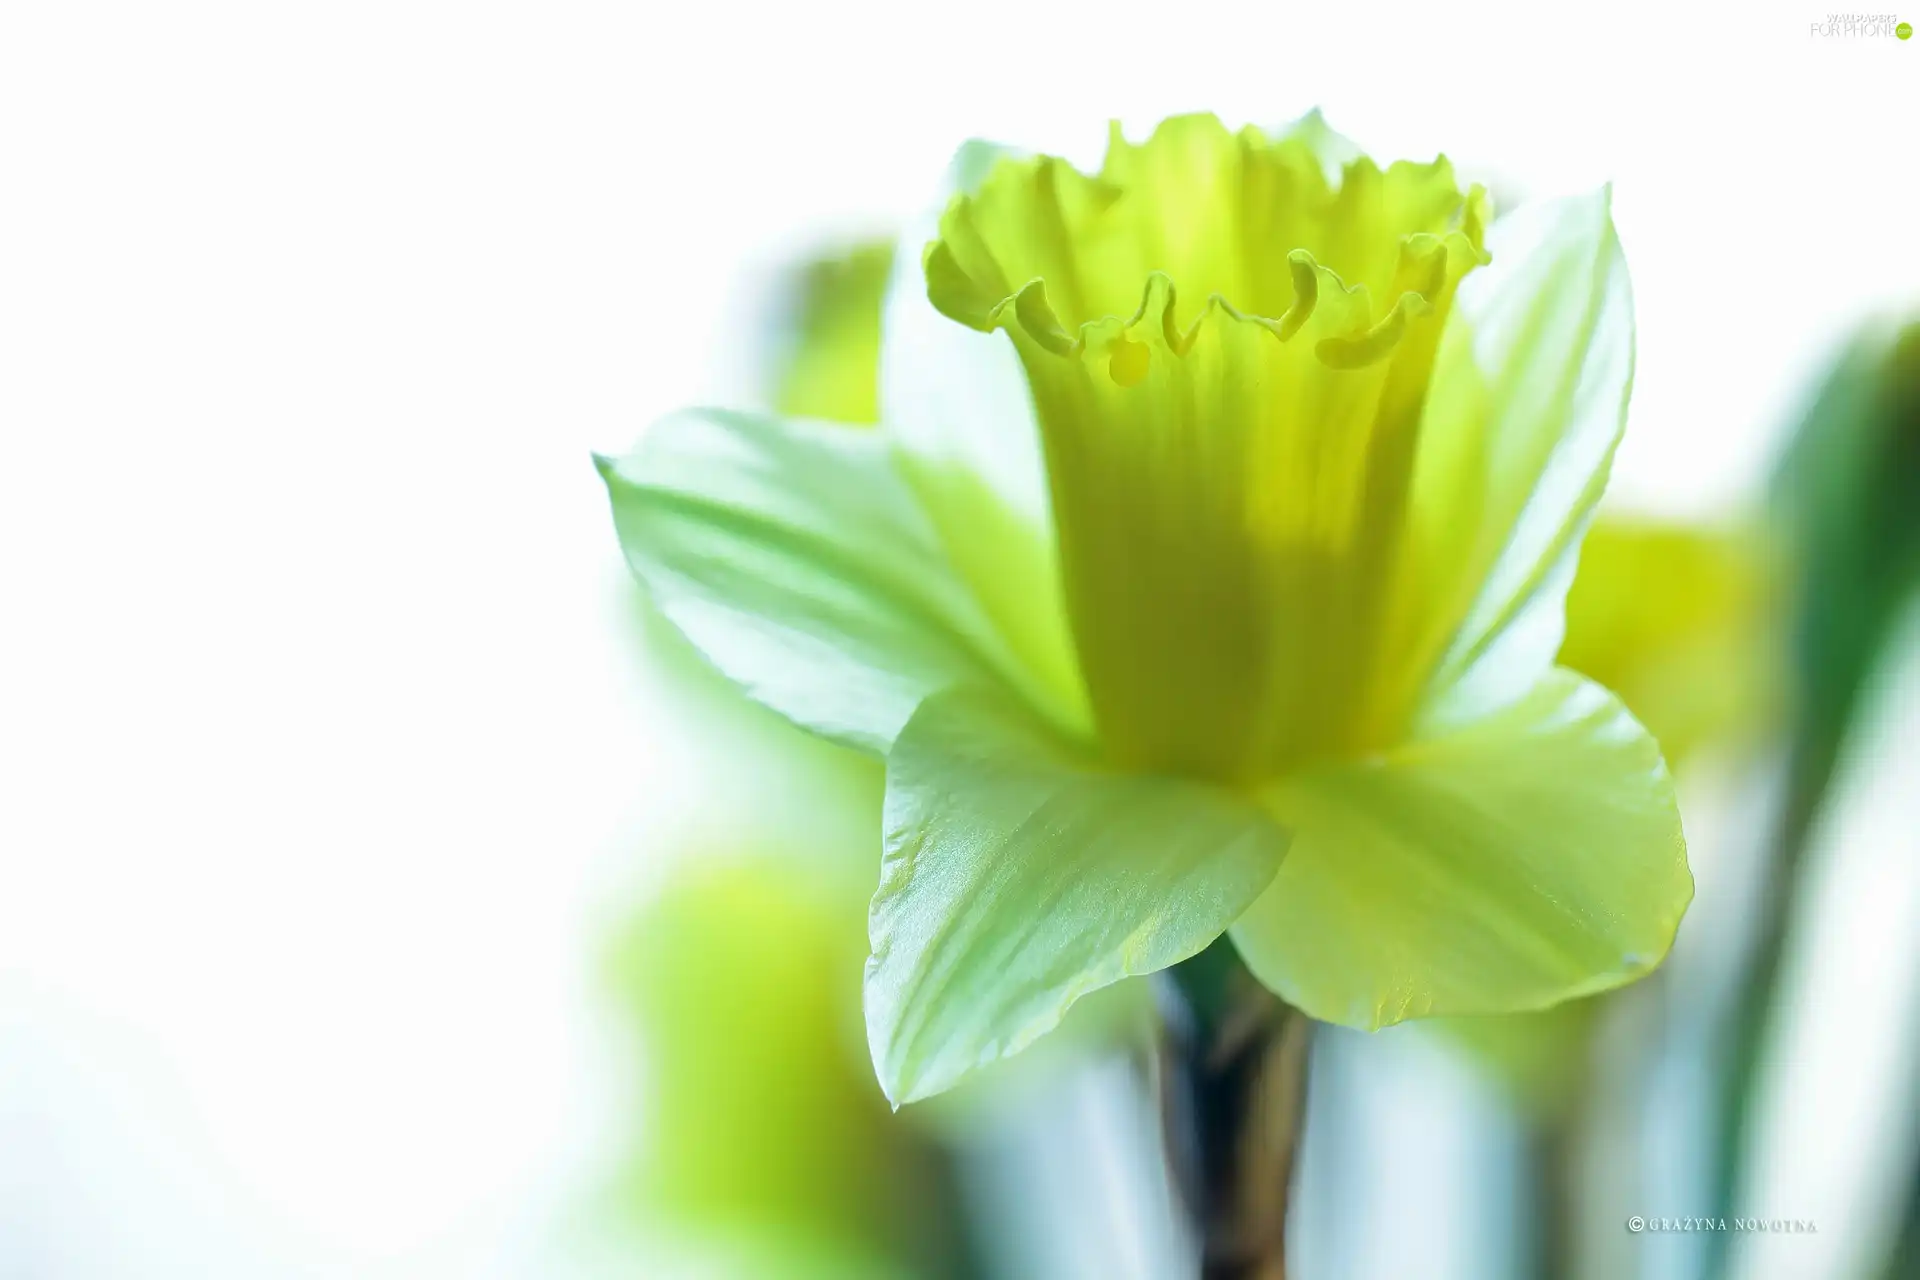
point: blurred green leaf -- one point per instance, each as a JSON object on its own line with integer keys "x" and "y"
{"x": 831, "y": 366}
{"x": 1847, "y": 495}
{"x": 761, "y": 1130}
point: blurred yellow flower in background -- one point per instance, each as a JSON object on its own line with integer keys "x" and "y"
{"x": 765, "y": 1151}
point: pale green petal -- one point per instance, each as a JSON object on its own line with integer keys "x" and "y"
{"x": 1532, "y": 857}
{"x": 1528, "y": 403}
{"x": 796, "y": 559}
{"x": 956, "y": 404}
{"x": 1018, "y": 878}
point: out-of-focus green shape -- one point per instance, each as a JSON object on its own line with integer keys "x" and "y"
{"x": 1848, "y": 492}
{"x": 1847, "y": 497}
{"x": 831, "y": 368}
{"x": 1676, "y": 619}
{"x": 1539, "y": 1059}
{"x": 765, "y": 1151}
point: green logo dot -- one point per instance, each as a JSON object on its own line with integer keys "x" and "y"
{"x": 1904, "y": 30}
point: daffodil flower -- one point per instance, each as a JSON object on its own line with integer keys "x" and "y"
{"x": 1204, "y": 576}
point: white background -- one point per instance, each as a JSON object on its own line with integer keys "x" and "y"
{"x": 323, "y": 747}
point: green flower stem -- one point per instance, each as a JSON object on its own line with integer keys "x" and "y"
{"x": 1815, "y": 758}
{"x": 1552, "y": 1162}
{"x": 1904, "y": 1258}
{"x": 1233, "y": 1078}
